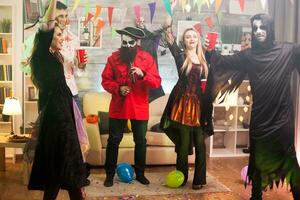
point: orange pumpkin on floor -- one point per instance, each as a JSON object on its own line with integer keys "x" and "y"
{"x": 92, "y": 119}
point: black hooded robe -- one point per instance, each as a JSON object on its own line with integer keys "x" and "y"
{"x": 269, "y": 69}
{"x": 58, "y": 160}
{"x": 150, "y": 44}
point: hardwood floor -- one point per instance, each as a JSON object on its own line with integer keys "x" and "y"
{"x": 226, "y": 170}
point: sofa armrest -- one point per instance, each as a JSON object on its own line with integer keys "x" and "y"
{"x": 94, "y": 156}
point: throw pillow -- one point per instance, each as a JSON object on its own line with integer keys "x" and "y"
{"x": 156, "y": 128}
{"x": 103, "y": 122}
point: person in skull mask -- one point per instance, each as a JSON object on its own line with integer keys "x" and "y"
{"x": 269, "y": 66}
{"x": 128, "y": 75}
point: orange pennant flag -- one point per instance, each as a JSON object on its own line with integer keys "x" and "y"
{"x": 209, "y": 21}
{"x": 97, "y": 13}
{"x": 100, "y": 25}
{"x": 88, "y": 18}
{"x": 242, "y": 4}
{"x": 110, "y": 13}
{"x": 218, "y": 5}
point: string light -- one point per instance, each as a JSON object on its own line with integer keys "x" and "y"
{"x": 249, "y": 88}
{"x": 241, "y": 118}
{"x": 245, "y": 109}
{"x": 247, "y": 98}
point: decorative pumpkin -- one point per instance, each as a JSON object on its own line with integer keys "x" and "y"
{"x": 92, "y": 119}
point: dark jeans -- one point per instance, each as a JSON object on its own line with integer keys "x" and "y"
{"x": 116, "y": 129}
{"x": 200, "y": 159}
{"x": 51, "y": 193}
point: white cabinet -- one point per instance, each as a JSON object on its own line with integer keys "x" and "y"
{"x": 30, "y": 91}
{"x": 231, "y": 123}
{"x": 11, "y": 33}
{"x": 10, "y": 51}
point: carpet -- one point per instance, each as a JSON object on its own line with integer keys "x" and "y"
{"x": 156, "y": 187}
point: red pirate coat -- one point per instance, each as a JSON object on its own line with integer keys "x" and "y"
{"x": 115, "y": 74}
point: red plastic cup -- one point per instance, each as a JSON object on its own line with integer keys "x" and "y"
{"x": 203, "y": 85}
{"x": 212, "y": 37}
{"x": 81, "y": 55}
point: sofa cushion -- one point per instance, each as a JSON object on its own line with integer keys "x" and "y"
{"x": 103, "y": 123}
{"x": 127, "y": 141}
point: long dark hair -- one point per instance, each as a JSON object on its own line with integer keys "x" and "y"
{"x": 42, "y": 42}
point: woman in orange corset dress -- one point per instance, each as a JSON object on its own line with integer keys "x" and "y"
{"x": 187, "y": 116}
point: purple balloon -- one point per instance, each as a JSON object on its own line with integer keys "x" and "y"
{"x": 244, "y": 174}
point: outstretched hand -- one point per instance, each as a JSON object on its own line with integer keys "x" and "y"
{"x": 206, "y": 44}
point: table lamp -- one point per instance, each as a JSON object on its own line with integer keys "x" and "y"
{"x": 12, "y": 107}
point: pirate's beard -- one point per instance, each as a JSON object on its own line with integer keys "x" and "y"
{"x": 127, "y": 54}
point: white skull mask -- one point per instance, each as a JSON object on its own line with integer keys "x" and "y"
{"x": 259, "y": 30}
{"x": 128, "y": 41}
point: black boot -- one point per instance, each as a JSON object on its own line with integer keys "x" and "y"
{"x": 140, "y": 177}
{"x": 109, "y": 180}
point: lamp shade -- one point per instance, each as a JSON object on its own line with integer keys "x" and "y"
{"x": 12, "y": 106}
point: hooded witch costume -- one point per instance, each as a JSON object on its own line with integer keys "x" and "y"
{"x": 58, "y": 160}
{"x": 269, "y": 66}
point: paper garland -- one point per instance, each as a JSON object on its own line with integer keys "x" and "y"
{"x": 152, "y": 10}
{"x": 218, "y": 4}
{"x": 88, "y": 18}
{"x": 110, "y": 13}
{"x": 137, "y": 12}
{"x": 76, "y": 3}
{"x": 209, "y": 21}
{"x": 242, "y": 4}
{"x": 168, "y": 7}
{"x": 99, "y": 26}
{"x": 97, "y": 12}
{"x": 87, "y": 7}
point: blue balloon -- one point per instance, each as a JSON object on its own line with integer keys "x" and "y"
{"x": 125, "y": 172}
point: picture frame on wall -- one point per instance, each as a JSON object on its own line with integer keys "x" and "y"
{"x": 32, "y": 93}
{"x": 33, "y": 9}
{"x": 88, "y": 37}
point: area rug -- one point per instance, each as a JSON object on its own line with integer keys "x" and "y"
{"x": 156, "y": 187}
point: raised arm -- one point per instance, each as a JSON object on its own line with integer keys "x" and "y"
{"x": 48, "y": 21}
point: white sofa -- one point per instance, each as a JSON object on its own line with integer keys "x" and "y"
{"x": 160, "y": 149}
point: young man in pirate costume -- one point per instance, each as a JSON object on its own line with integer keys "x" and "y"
{"x": 128, "y": 75}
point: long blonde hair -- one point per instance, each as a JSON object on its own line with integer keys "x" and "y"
{"x": 187, "y": 64}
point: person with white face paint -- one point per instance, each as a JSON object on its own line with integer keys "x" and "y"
{"x": 269, "y": 66}
{"x": 128, "y": 75}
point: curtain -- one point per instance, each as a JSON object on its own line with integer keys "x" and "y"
{"x": 287, "y": 17}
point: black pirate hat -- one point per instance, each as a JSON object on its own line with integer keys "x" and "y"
{"x": 132, "y": 32}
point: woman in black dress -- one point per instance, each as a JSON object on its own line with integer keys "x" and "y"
{"x": 186, "y": 116}
{"x": 58, "y": 161}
